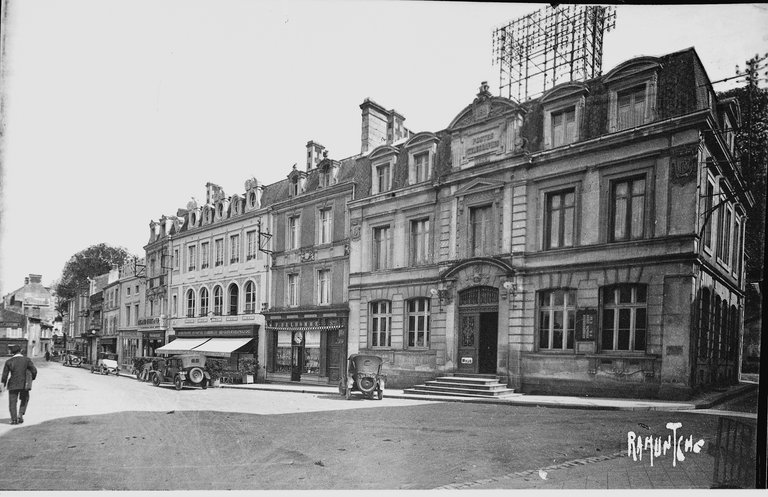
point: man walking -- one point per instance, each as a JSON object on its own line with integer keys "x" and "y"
{"x": 18, "y": 384}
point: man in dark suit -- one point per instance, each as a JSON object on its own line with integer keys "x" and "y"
{"x": 18, "y": 386}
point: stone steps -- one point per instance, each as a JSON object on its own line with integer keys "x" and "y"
{"x": 486, "y": 386}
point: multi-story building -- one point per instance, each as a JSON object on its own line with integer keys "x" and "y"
{"x": 110, "y": 313}
{"x": 131, "y": 340}
{"x": 95, "y": 313}
{"x": 13, "y": 327}
{"x": 587, "y": 241}
{"x": 307, "y": 322}
{"x": 219, "y": 277}
{"x": 156, "y": 273}
{"x": 75, "y": 320}
{"x": 34, "y": 301}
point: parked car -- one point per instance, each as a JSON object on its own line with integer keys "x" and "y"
{"x": 181, "y": 370}
{"x": 106, "y": 364}
{"x": 363, "y": 375}
{"x": 73, "y": 360}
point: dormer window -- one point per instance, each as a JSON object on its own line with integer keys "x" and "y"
{"x": 422, "y": 149}
{"x": 563, "y": 111}
{"x": 382, "y": 178}
{"x": 421, "y": 166}
{"x": 630, "y": 108}
{"x": 295, "y": 187}
{"x": 632, "y": 87}
{"x": 564, "y": 127}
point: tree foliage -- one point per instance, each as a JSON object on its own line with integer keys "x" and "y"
{"x": 752, "y": 150}
{"x": 89, "y": 263}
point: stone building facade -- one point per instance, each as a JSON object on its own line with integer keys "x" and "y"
{"x": 131, "y": 287}
{"x": 36, "y": 303}
{"x": 588, "y": 241}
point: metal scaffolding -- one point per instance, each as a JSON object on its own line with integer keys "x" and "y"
{"x": 550, "y": 46}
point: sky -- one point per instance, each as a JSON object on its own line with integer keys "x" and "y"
{"x": 116, "y": 112}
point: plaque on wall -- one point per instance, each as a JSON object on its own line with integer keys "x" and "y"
{"x": 586, "y": 325}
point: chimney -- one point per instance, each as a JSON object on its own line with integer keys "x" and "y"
{"x": 213, "y": 193}
{"x": 35, "y": 278}
{"x": 26, "y": 280}
{"x": 314, "y": 154}
{"x": 374, "y": 126}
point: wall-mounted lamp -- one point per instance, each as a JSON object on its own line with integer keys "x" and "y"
{"x": 441, "y": 294}
{"x": 510, "y": 287}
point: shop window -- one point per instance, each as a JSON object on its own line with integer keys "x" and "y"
{"x": 419, "y": 239}
{"x": 283, "y": 352}
{"x": 624, "y": 323}
{"x": 324, "y": 287}
{"x": 203, "y": 301}
{"x": 234, "y": 299}
{"x": 381, "y": 257}
{"x": 480, "y": 231}
{"x": 250, "y": 297}
{"x": 381, "y": 323}
{"x": 218, "y": 301}
{"x": 311, "y": 352}
{"x": 557, "y": 317}
{"x": 560, "y": 219}
{"x": 418, "y": 323}
{"x": 628, "y": 209}
{"x": 324, "y": 227}
{"x": 190, "y": 303}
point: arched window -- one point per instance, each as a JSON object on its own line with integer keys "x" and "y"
{"x": 381, "y": 323}
{"x": 234, "y": 298}
{"x": 190, "y": 303}
{"x": 203, "y": 301}
{"x": 418, "y": 323}
{"x": 704, "y": 323}
{"x": 250, "y": 298}
{"x": 218, "y": 301}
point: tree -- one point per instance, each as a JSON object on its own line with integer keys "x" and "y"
{"x": 88, "y": 263}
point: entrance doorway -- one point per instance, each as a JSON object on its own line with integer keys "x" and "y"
{"x": 478, "y": 330}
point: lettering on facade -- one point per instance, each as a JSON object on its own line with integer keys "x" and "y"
{"x": 586, "y": 324}
{"x": 482, "y": 148}
{"x": 149, "y": 322}
{"x": 213, "y": 332}
{"x": 466, "y": 360}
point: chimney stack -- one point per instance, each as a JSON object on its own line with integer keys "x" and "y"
{"x": 380, "y": 126}
{"x": 314, "y": 154}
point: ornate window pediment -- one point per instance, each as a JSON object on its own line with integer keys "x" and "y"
{"x": 297, "y": 181}
{"x": 479, "y": 185}
{"x": 383, "y": 152}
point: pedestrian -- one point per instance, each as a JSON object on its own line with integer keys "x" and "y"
{"x": 47, "y": 355}
{"x": 21, "y": 372}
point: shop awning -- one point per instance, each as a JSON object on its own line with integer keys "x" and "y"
{"x": 180, "y": 345}
{"x": 222, "y": 347}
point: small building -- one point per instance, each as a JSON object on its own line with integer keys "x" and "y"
{"x": 12, "y": 330}
{"x": 36, "y": 302}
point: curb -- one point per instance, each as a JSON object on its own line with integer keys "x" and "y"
{"x": 720, "y": 398}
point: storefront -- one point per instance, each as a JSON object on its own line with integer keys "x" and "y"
{"x": 129, "y": 346}
{"x": 308, "y": 349}
{"x": 234, "y": 343}
{"x": 108, "y": 345}
{"x": 153, "y": 335}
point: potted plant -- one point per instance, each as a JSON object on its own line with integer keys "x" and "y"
{"x": 248, "y": 368}
{"x": 215, "y": 367}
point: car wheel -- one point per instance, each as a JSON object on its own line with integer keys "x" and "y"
{"x": 144, "y": 375}
{"x": 104, "y": 371}
{"x": 156, "y": 379}
{"x": 379, "y": 394}
{"x": 196, "y": 375}
{"x": 92, "y": 370}
{"x": 177, "y": 383}
{"x": 204, "y": 384}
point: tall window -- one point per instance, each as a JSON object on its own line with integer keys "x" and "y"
{"x": 557, "y": 318}
{"x": 624, "y": 318}
{"x": 724, "y": 252}
{"x": 293, "y": 289}
{"x": 381, "y": 247}
{"x": 480, "y": 230}
{"x": 419, "y": 241}
{"x": 190, "y": 303}
{"x": 205, "y": 255}
{"x": 250, "y": 297}
{"x": 218, "y": 301}
{"x": 716, "y": 328}
{"x": 708, "y": 212}
{"x": 234, "y": 249}
{"x": 559, "y": 220}
{"x": 421, "y": 166}
{"x": 736, "y": 253}
{"x": 418, "y": 322}
{"x": 203, "y": 301}
{"x": 703, "y": 342}
{"x": 381, "y": 323}
{"x": 382, "y": 178}
{"x": 293, "y": 232}
{"x": 323, "y": 287}
{"x": 324, "y": 226}
{"x": 176, "y": 258}
{"x": 219, "y": 248}
{"x": 628, "y": 202}
{"x": 564, "y": 127}
{"x": 295, "y": 187}
{"x": 192, "y": 257}
{"x": 234, "y": 299}
{"x": 630, "y": 108}
{"x": 250, "y": 239}
{"x": 128, "y": 315}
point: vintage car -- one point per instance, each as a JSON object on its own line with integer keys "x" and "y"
{"x": 181, "y": 370}
{"x": 106, "y": 364}
{"x": 363, "y": 375}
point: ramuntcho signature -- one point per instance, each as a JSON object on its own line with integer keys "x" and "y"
{"x": 658, "y": 446}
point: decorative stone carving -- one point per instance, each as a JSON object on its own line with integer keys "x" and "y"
{"x": 355, "y": 230}
{"x": 307, "y": 255}
{"x": 467, "y": 331}
{"x": 682, "y": 163}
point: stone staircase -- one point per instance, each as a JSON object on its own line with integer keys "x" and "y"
{"x": 464, "y": 385}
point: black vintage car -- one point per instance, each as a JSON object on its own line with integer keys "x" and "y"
{"x": 363, "y": 375}
{"x": 181, "y": 370}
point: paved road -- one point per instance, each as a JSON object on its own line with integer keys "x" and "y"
{"x": 92, "y": 432}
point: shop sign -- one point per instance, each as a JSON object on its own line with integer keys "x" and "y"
{"x": 149, "y": 322}
{"x": 305, "y": 323}
{"x": 482, "y": 143}
{"x": 215, "y": 332}
{"x": 156, "y": 335}
{"x": 586, "y": 324}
